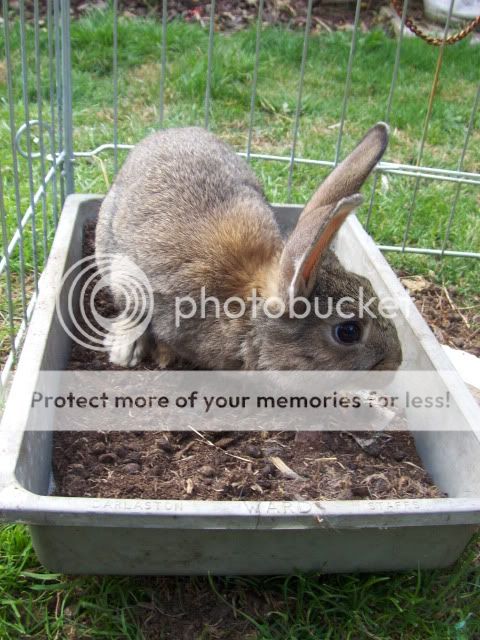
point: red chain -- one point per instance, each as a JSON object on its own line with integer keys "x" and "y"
{"x": 436, "y": 42}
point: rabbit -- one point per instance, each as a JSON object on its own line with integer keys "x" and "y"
{"x": 192, "y": 216}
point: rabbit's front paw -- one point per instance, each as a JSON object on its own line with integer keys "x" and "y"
{"x": 122, "y": 351}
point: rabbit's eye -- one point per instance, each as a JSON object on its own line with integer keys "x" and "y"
{"x": 347, "y": 332}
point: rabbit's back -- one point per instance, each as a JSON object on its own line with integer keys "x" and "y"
{"x": 186, "y": 209}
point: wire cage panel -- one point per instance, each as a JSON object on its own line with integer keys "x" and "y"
{"x": 50, "y": 143}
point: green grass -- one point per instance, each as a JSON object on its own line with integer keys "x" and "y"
{"x": 433, "y": 605}
{"x": 280, "y": 58}
{"x": 437, "y": 605}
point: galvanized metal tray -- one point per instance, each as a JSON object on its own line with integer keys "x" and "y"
{"x": 108, "y": 536}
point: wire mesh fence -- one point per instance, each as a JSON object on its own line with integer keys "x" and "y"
{"x": 46, "y": 138}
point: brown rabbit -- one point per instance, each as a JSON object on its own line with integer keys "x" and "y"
{"x": 191, "y": 215}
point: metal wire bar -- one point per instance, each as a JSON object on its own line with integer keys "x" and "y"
{"x": 67, "y": 97}
{"x": 51, "y": 82}
{"x": 208, "y": 87}
{"x": 17, "y": 343}
{"x": 34, "y": 155}
{"x": 8, "y": 276}
{"x": 348, "y": 81}
{"x": 432, "y": 176}
{"x": 16, "y": 178}
{"x": 428, "y": 173}
{"x": 394, "y": 166}
{"x": 115, "y": 87}
{"x": 58, "y": 69}
{"x": 308, "y": 25}
{"x": 429, "y": 252}
{"x": 396, "y": 64}
{"x": 388, "y": 110}
{"x": 255, "y": 78}
{"x": 26, "y": 110}
{"x": 163, "y": 63}
{"x": 57, "y": 155}
{"x": 426, "y": 123}
{"x": 460, "y": 167}
{"x": 38, "y": 86}
{"x": 26, "y": 218}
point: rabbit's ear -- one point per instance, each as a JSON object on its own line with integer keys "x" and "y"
{"x": 336, "y": 197}
{"x": 348, "y": 177}
{"x": 304, "y": 248}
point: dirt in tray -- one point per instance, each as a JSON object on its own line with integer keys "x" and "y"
{"x": 232, "y": 465}
{"x": 220, "y": 466}
{"x": 451, "y": 321}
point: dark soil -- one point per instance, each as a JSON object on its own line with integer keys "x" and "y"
{"x": 327, "y": 15}
{"x": 233, "y": 466}
{"x": 238, "y": 466}
{"x": 190, "y": 609}
{"x": 451, "y": 322}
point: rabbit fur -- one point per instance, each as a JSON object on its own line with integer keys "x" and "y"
{"x": 191, "y": 214}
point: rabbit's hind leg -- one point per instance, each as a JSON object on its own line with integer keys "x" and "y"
{"x": 163, "y": 355}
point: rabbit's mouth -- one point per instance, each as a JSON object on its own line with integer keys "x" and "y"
{"x": 390, "y": 362}
{"x": 381, "y": 365}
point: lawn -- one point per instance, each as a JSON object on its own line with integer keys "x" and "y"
{"x": 277, "y": 90}
{"x": 35, "y": 604}
{"x": 437, "y": 605}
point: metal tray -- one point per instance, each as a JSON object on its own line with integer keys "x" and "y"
{"x": 107, "y": 536}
